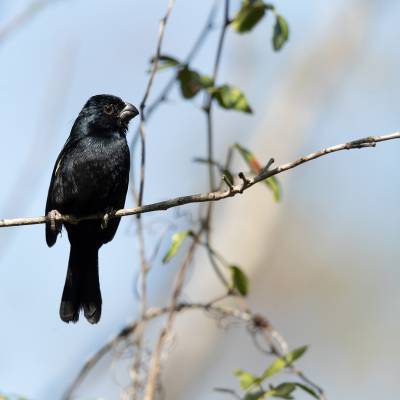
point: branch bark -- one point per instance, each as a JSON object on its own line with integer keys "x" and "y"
{"x": 366, "y": 142}
{"x": 152, "y": 313}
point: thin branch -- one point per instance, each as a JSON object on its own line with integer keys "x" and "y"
{"x": 366, "y": 142}
{"x": 92, "y": 361}
{"x": 208, "y": 108}
{"x": 135, "y": 370}
{"x": 144, "y": 267}
{"x": 23, "y": 17}
{"x": 209, "y": 101}
{"x": 320, "y": 392}
{"x": 163, "y": 24}
{"x": 155, "y": 363}
{"x": 162, "y": 97}
{"x": 151, "y": 314}
{"x": 272, "y": 336}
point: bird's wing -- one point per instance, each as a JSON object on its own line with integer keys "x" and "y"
{"x": 56, "y": 196}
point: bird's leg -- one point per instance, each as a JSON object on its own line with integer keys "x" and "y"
{"x": 55, "y": 218}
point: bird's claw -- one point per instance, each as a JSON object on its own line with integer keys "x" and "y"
{"x": 104, "y": 220}
{"x": 106, "y": 217}
{"x": 55, "y": 220}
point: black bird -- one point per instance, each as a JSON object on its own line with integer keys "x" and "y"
{"x": 90, "y": 176}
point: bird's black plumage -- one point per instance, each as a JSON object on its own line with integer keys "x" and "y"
{"x": 90, "y": 176}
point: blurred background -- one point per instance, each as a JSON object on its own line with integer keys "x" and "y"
{"x": 323, "y": 263}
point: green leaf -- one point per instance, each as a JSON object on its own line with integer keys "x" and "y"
{"x": 295, "y": 354}
{"x": 176, "y": 242}
{"x": 283, "y": 391}
{"x": 231, "y": 98}
{"x": 165, "y": 62}
{"x": 277, "y": 366}
{"x": 228, "y": 175}
{"x": 259, "y": 395}
{"x": 249, "y": 158}
{"x": 240, "y": 281}
{"x": 280, "y": 363}
{"x": 248, "y": 16}
{"x": 281, "y": 32}
{"x": 206, "y": 81}
{"x": 275, "y": 186}
{"x": 192, "y": 82}
{"x": 307, "y": 389}
{"x": 246, "y": 379}
{"x": 255, "y": 167}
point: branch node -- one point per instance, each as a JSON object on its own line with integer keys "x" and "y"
{"x": 260, "y": 322}
{"x": 369, "y": 141}
{"x": 246, "y": 181}
{"x": 269, "y": 163}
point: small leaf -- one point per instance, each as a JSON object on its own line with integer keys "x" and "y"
{"x": 246, "y": 379}
{"x": 206, "y": 81}
{"x": 176, "y": 242}
{"x": 259, "y": 395}
{"x": 248, "y": 16}
{"x": 255, "y": 167}
{"x": 231, "y": 98}
{"x": 281, "y": 32}
{"x": 240, "y": 281}
{"x": 248, "y": 156}
{"x": 192, "y": 82}
{"x": 280, "y": 363}
{"x": 307, "y": 389}
{"x": 274, "y": 185}
{"x": 295, "y": 354}
{"x": 228, "y": 175}
{"x": 277, "y": 366}
{"x": 283, "y": 391}
{"x": 165, "y": 62}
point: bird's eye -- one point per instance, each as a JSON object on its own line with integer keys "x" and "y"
{"x": 108, "y": 109}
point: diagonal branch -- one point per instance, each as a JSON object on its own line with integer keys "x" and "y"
{"x": 155, "y": 363}
{"x": 25, "y": 16}
{"x": 153, "y": 313}
{"x": 135, "y": 371}
{"x": 247, "y": 183}
{"x": 163, "y": 24}
{"x": 163, "y": 96}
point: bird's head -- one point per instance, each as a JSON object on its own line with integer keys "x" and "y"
{"x": 106, "y": 113}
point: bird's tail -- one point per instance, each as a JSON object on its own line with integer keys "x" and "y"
{"x": 82, "y": 287}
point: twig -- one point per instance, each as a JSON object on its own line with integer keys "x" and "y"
{"x": 151, "y": 314}
{"x": 135, "y": 371}
{"x": 168, "y": 87}
{"x": 163, "y": 24}
{"x": 294, "y": 370}
{"x": 92, "y": 361}
{"x": 209, "y": 101}
{"x": 210, "y": 141}
{"x": 271, "y": 336}
{"x": 23, "y": 17}
{"x": 366, "y": 142}
{"x": 155, "y": 363}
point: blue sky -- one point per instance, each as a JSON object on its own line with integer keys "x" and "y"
{"x": 74, "y": 49}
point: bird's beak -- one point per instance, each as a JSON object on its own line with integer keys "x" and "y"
{"x": 127, "y": 113}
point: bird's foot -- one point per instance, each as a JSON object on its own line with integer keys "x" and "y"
{"x": 55, "y": 219}
{"x": 106, "y": 217}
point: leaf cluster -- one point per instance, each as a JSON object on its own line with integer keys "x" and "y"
{"x": 253, "y": 384}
